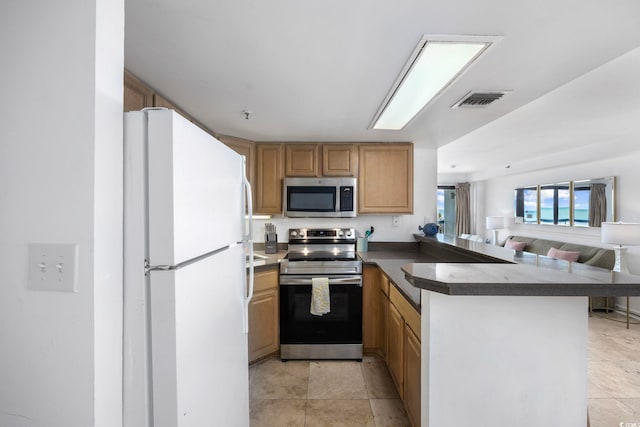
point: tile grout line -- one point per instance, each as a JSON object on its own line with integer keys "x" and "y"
{"x": 306, "y": 402}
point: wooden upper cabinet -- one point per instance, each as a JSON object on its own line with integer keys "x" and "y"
{"x": 385, "y": 178}
{"x": 137, "y": 95}
{"x": 321, "y": 160}
{"x": 339, "y": 160}
{"x": 301, "y": 160}
{"x": 269, "y": 174}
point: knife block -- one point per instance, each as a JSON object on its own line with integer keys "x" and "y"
{"x": 271, "y": 246}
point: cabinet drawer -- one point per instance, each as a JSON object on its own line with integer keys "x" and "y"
{"x": 264, "y": 280}
{"x": 384, "y": 284}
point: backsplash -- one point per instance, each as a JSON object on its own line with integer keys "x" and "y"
{"x": 383, "y": 225}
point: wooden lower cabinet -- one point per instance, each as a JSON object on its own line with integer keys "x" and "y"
{"x": 411, "y": 397}
{"x": 264, "y": 328}
{"x": 371, "y": 309}
{"x": 399, "y": 344}
{"x": 383, "y": 333}
{"x": 395, "y": 355}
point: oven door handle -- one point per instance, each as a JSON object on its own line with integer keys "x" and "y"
{"x": 287, "y": 281}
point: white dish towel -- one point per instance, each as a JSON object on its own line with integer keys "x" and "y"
{"x": 320, "y": 302}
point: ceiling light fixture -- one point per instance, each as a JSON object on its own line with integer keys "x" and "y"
{"x": 435, "y": 63}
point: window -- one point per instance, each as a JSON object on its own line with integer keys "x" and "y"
{"x": 581, "y": 197}
{"x": 526, "y": 202}
{"x": 585, "y": 203}
{"x": 555, "y": 204}
{"x": 446, "y": 196}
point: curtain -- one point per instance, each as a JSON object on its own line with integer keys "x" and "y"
{"x": 463, "y": 208}
{"x": 597, "y": 205}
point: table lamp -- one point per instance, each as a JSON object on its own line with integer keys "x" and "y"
{"x": 495, "y": 223}
{"x": 620, "y": 234}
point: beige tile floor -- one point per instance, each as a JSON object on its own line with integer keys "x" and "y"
{"x": 323, "y": 394}
{"x": 350, "y": 394}
{"x": 614, "y": 373}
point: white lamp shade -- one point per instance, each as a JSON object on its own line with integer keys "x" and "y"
{"x": 620, "y": 233}
{"x": 495, "y": 222}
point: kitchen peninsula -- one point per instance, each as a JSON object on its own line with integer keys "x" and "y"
{"x": 504, "y": 337}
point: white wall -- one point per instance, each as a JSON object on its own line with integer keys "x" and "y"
{"x": 497, "y": 195}
{"x": 61, "y": 182}
{"x": 424, "y": 208}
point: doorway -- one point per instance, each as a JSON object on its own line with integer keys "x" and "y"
{"x": 446, "y": 196}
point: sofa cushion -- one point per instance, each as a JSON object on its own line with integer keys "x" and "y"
{"x": 589, "y": 255}
{"x": 512, "y": 244}
{"x": 605, "y": 258}
{"x": 565, "y": 255}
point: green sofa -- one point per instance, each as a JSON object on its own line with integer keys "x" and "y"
{"x": 589, "y": 255}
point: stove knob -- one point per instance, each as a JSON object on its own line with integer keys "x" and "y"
{"x": 302, "y": 234}
{"x": 294, "y": 233}
{"x": 349, "y": 233}
{"x": 340, "y": 233}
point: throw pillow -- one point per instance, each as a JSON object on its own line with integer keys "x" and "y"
{"x": 512, "y": 244}
{"x": 565, "y": 255}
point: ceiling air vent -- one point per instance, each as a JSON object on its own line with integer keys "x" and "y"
{"x": 479, "y": 99}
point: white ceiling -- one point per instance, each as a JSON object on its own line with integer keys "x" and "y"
{"x": 318, "y": 71}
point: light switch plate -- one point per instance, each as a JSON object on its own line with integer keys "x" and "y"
{"x": 53, "y": 267}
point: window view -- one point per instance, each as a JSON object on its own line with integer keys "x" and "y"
{"x": 581, "y": 197}
{"x": 555, "y": 204}
{"x": 446, "y": 196}
{"x": 584, "y": 203}
{"x": 527, "y": 204}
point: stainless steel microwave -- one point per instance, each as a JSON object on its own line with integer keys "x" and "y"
{"x": 320, "y": 197}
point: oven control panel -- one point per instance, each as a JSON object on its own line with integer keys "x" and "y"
{"x": 321, "y": 233}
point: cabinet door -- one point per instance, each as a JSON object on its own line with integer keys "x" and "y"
{"x": 301, "y": 160}
{"x": 384, "y": 325}
{"x": 263, "y": 324}
{"x": 263, "y": 316}
{"x": 370, "y": 308}
{"x": 385, "y": 178}
{"x": 339, "y": 160}
{"x": 269, "y": 174}
{"x": 412, "y": 376}
{"x": 137, "y": 95}
{"x": 395, "y": 359}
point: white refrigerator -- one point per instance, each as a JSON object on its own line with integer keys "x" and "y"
{"x": 186, "y": 291}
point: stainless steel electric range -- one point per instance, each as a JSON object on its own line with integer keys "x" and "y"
{"x": 320, "y": 253}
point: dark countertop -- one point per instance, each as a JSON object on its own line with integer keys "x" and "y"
{"x": 390, "y": 262}
{"x": 508, "y": 272}
{"x": 271, "y": 261}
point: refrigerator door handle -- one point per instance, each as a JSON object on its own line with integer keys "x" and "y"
{"x": 248, "y": 241}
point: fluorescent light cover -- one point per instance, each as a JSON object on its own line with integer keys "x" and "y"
{"x": 258, "y": 216}
{"x": 437, "y": 64}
